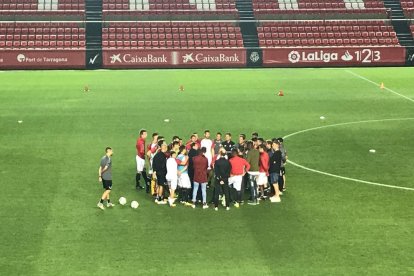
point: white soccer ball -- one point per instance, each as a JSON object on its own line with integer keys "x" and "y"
{"x": 322, "y": 117}
{"x": 134, "y": 204}
{"x": 122, "y": 200}
{"x": 372, "y": 151}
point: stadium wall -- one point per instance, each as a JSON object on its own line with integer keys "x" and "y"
{"x": 207, "y": 58}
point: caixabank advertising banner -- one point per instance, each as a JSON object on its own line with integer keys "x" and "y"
{"x": 42, "y": 59}
{"x": 335, "y": 56}
{"x": 190, "y": 58}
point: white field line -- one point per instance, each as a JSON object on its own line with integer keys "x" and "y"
{"x": 350, "y": 179}
{"x": 376, "y": 84}
{"x": 340, "y": 176}
{"x": 343, "y": 124}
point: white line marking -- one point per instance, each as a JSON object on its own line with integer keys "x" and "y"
{"x": 376, "y": 84}
{"x": 350, "y": 179}
{"x": 343, "y": 124}
{"x": 344, "y": 177}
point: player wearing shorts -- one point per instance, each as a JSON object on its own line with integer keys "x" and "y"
{"x": 159, "y": 166}
{"x": 172, "y": 177}
{"x": 207, "y": 143}
{"x": 274, "y": 170}
{"x": 105, "y": 176}
{"x": 140, "y": 161}
{"x": 239, "y": 167}
{"x": 263, "y": 170}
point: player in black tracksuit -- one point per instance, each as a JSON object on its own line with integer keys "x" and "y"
{"x": 159, "y": 166}
{"x": 222, "y": 170}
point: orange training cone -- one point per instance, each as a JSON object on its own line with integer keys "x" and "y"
{"x": 181, "y": 88}
{"x": 281, "y": 93}
{"x": 382, "y": 85}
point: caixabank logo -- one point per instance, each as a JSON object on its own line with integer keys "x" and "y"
{"x": 210, "y": 58}
{"x": 137, "y": 59}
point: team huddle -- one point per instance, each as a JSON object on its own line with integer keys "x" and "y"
{"x": 182, "y": 172}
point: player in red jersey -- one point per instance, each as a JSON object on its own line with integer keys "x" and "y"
{"x": 239, "y": 167}
{"x": 193, "y": 139}
{"x": 151, "y": 151}
{"x": 140, "y": 159}
{"x": 262, "y": 179}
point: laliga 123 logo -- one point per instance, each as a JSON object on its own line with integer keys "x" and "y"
{"x": 21, "y": 57}
{"x": 294, "y": 56}
{"x": 347, "y": 56}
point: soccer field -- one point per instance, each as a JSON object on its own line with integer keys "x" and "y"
{"x": 325, "y": 225}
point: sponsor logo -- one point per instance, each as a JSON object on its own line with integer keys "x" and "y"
{"x": 1, "y": 60}
{"x": 92, "y": 60}
{"x": 116, "y": 58}
{"x": 21, "y": 57}
{"x": 202, "y": 58}
{"x": 128, "y": 58}
{"x": 188, "y": 57}
{"x": 254, "y": 57}
{"x": 294, "y": 56}
{"x": 347, "y": 56}
{"x": 26, "y": 59}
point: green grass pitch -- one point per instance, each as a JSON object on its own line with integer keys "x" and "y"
{"x": 50, "y": 224}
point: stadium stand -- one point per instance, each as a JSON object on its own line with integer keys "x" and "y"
{"x": 169, "y": 9}
{"x": 408, "y": 8}
{"x": 41, "y": 9}
{"x": 41, "y": 5}
{"x": 254, "y": 32}
{"x": 326, "y": 33}
{"x": 152, "y": 35}
{"x": 42, "y": 36}
{"x": 302, "y": 9}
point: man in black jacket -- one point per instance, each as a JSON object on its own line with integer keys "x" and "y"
{"x": 192, "y": 153}
{"x": 222, "y": 170}
{"x": 159, "y": 167}
{"x": 275, "y": 162}
{"x": 228, "y": 145}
